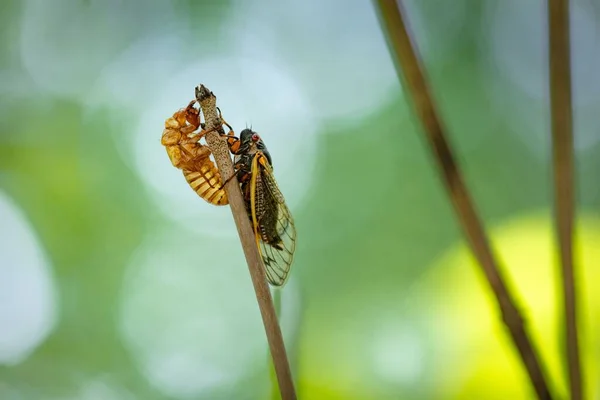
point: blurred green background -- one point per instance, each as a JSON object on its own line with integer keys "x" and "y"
{"x": 118, "y": 282}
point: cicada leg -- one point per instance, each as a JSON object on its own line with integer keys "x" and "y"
{"x": 232, "y": 141}
{"x": 234, "y": 144}
{"x": 237, "y": 169}
{"x": 204, "y": 131}
{"x": 230, "y": 133}
{"x": 192, "y": 116}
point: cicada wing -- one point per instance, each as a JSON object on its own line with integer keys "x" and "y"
{"x": 278, "y": 258}
{"x": 273, "y": 223}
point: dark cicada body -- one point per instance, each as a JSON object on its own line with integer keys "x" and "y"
{"x": 271, "y": 219}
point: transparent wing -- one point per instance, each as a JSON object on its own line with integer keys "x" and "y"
{"x": 278, "y": 259}
{"x": 273, "y": 223}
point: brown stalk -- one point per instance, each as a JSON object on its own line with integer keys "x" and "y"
{"x": 220, "y": 150}
{"x": 562, "y": 143}
{"x": 416, "y": 86}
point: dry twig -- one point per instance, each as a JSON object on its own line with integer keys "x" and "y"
{"x": 562, "y": 143}
{"x": 416, "y": 86}
{"x": 220, "y": 151}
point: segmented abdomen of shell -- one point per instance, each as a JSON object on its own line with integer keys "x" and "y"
{"x": 206, "y": 181}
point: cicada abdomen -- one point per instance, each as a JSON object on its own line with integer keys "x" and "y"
{"x": 193, "y": 158}
{"x": 206, "y": 181}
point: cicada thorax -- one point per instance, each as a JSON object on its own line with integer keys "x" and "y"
{"x": 193, "y": 158}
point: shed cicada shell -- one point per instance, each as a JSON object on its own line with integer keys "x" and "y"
{"x": 187, "y": 154}
{"x": 271, "y": 219}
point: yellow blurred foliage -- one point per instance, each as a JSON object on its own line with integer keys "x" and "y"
{"x": 476, "y": 356}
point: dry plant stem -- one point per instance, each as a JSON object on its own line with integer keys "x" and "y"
{"x": 417, "y": 88}
{"x": 562, "y": 143}
{"x": 220, "y": 150}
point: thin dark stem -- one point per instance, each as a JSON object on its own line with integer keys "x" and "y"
{"x": 220, "y": 151}
{"x": 410, "y": 68}
{"x": 277, "y": 305}
{"x": 562, "y": 143}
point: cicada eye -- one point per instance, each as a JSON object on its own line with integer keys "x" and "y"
{"x": 255, "y": 138}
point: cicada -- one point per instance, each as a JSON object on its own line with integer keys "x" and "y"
{"x": 271, "y": 219}
{"x": 187, "y": 154}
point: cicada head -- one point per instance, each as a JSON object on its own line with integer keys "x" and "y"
{"x": 248, "y": 136}
{"x": 252, "y": 140}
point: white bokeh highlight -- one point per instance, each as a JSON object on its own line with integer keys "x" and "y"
{"x": 341, "y": 58}
{"x": 64, "y": 44}
{"x": 338, "y": 48}
{"x": 123, "y": 86}
{"x": 189, "y": 315}
{"x": 28, "y": 299}
{"x": 515, "y": 45}
{"x": 398, "y": 353}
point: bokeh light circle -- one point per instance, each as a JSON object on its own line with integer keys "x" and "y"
{"x": 341, "y": 58}
{"x": 28, "y": 299}
{"x": 338, "y": 50}
{"x": 370, "y": 346}
{"x": 189, "y": 315}
{"x": 398, "y": 353}
{"x": 64, "y": 44}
